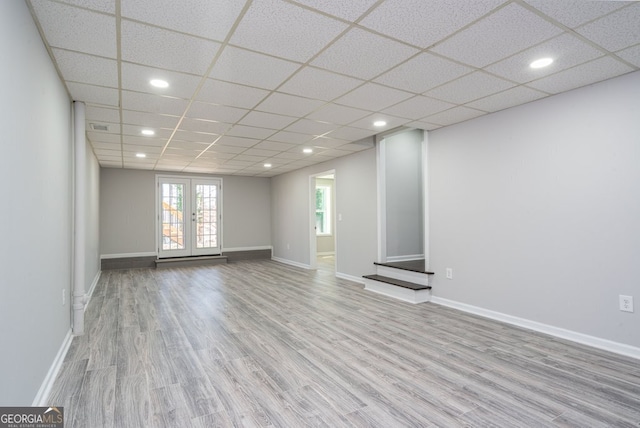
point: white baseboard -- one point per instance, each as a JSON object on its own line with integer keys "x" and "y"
{"x": 126, "y": 255}
{"x": 326, "y": 253}
{"x": 42, "y": 396}
{"x": 290, "y": 262}
{"x": 405, "y": 258}
{"x": 357, "y": 279}
{"x": 263, "y": 247}
{"x": 92, "y": 288}
{"x": 585, "y": 339}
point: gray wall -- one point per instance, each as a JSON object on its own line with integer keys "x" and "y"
{"x": 326, "y": 244}
{"x": 35, "y": 169}
{"x": 537, "y": 210}
{"x": 127, "y": 210}
{"x": 404, "y": 194}
{"x": 356, "y": 234}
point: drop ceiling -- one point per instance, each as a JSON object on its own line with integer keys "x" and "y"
{"x": 256, "y": 82}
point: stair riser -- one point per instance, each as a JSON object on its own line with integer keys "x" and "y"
{"x": 400, "y": 293}
{"x": 405, "y": 275}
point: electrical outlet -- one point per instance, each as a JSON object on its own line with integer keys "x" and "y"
{"x": 64, "y": 296}
{"x": 626, "y": 303}
{"x": 449, "y": 273}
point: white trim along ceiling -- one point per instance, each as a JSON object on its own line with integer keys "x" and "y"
{"x": 251, "y": 84}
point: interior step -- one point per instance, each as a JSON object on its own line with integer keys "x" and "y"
{"x": 190, "y": 261}
{"x": 398, "y": 282}
{"x": 397, "y": 288}
{"x": 409, "y": 265}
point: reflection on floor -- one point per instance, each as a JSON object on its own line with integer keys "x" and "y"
{"x": 326, "y": 263}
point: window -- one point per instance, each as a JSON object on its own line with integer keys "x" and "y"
{"x": 323, "y": 210}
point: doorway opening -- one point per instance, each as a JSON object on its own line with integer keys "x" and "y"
{"x": 322, "y": 221}
{"x": 189, "y": 216}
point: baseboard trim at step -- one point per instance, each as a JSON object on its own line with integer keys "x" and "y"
{"x": 190, "y": 261}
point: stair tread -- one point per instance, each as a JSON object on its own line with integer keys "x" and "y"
{"x": 412, "y": 266}
{"x": 398, "y": 282}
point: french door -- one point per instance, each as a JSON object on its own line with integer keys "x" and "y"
{"x": 188, "y": 216}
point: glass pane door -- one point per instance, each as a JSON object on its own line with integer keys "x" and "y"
{"x": 188, "y": 217}
{"x": 206, "y": 216}
{"x": 174, "y": 203}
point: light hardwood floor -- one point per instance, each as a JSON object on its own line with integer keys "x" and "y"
{"x": 259, "y": 343}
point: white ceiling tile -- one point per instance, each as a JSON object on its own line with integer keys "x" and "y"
{"x": 338, "y": 114}
{"x": 616, "y": 31}
{"x": 454, "y": 115}
{"x": 251, "y": 68}
{"x": 250, "y": 158}
{"x": 417, "y": 107}
{"x": 349, "y": 10}
{"x": 422, "y": 73}
{"x": 266, "y": 120}
{"x": 188, "y": 145}
{"x": 320, "y": 143}
{"x": 207, "y": 126}
{"x": 81, "y": 30}
{"x": 223, "y": 150}
{"x": 250, "y": 132}
{"x": 573, "y": 13}
{"x": 566, "y": 51}
{"x": 367, "y": 122}
{"x": 153, "y": 103}
{"x": 93, "y": 94}
{"x": 291, "y": 137}
{"x": 470, "y": 87}
{"x": 144, "y": 141}
{"x": 423, "y": 125}
{"x": 106, "y": 6}
{"x": 359, "y": 53}
{"x": 289, "y": 105}
{"x": 509, "y": 98}
{"x": 93, "y": 113}
{"x": 148, "y": 119}
{"x": 503, "y": 33}
{"x": 136, "y": 131}
{"x": 320, "y": 84}
{"x": 136, "y": 78}
{"x": 107, "y": 146}
{"x": 230, "y": 94}
{"x": 200, "y": 110}
{"x": 422, "y": 24}
{"x": 144, "y": 149}
{"x": 101, "y": 137}
{"x": 194, "y": 137}
{"x": 349, "y": 134}
{"x": 285, "y": 30}
{"x": 237, "y": 141}
{"x": 631, "y": 55}
{"x": 83, "y": 68}
{"x": 306, "y": 126}
{"x": 273, "y": 145}
{"x": 293, "y": 154}
{"x": 585, "y": 74}
{"x": 202, "y": 18}
{"x": 260, "y": 152}
{"x": 165, "y": 49}
{"x": 373, "y": 97}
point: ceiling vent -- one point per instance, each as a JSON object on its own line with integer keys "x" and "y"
{"x": 98, "y": 127}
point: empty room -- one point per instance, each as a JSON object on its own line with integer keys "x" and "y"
{"x": 287, "y": 213}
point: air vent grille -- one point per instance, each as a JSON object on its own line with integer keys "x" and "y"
{"x": 99, "y": 127}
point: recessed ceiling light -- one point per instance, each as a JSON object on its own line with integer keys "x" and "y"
{"x": 379, "y": 123}
{"x": 307, "y": 150}
{"x": 141, "y": 155}
{"x": 159, "y": 83}
{"x": 540, "y": 63}
{"x": 267, "y": 165}
{"x": 148, "y": 132}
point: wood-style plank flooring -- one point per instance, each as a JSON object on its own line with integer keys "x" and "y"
{"x": 259, "y": 343}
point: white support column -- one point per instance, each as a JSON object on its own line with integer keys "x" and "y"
{"x": 80, "y": 162}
